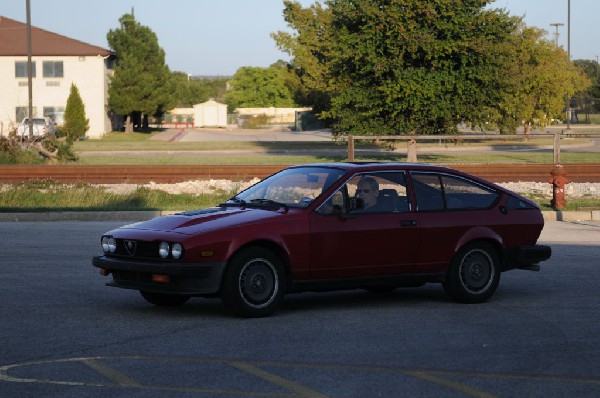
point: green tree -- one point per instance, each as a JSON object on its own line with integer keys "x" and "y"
{"x": 540, "y": 77}
{"x": 142, "y": 83}
{"x": 189, "y": 91}
{"x": 258, "y": 87}
{"x": 590, "y": 99}
{"x": 310, "y": 48}
{"x": 400, "y": 66}
{"x": 592, "y": 70}
{"x": 76, "y": 122}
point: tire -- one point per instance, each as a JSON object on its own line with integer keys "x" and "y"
{"x": 164, "y": 300}
{"x": 474, "y": 274}
{"x": 254, "y": 283}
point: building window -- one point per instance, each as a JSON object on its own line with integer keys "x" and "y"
{"x": 53, "y": 69}
{"x": 56, "y": 113}
{"x": 21, "y": 112}
{"x": 21, "y": 69}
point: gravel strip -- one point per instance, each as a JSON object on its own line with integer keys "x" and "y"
{"x": 199, "y": 187}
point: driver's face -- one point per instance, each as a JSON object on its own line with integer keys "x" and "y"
{"x": 367, "y": 194}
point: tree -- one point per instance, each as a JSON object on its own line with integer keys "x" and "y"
{"x": 540, "y": 77}
{"x": 310, "y": 48}
{"x": 189, "y": 91}
{"x": 400, "y": 66}
{"x": 590, "y": 99}
{"x": 258, "y": 87}
{"x": 76, "y": 122}
{"x": 406, "y": 66}
{"x": 142, "y": 83}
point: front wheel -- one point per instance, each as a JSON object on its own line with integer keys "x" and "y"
{"x": 474, "y": 274}
{"x": 164, "y": 300}
{"x": 254, "y": 283}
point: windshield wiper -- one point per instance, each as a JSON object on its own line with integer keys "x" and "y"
{"x": 269, "y": 203}
{"x": 237, "y": 202}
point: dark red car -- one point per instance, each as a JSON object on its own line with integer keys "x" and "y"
{"x": 376, "y": 226}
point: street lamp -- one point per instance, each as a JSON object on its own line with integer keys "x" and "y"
{"x": 556, "y": 25}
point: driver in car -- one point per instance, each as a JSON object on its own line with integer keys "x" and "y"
{"x": 368, "y": 191}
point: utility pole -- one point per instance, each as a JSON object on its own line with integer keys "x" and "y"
{"x": 29, "y": 70}
{"x": 569, "y": 54}
{"x": 556, "y": 34}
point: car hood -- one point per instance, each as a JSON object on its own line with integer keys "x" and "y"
{"x": 193, "y": 222}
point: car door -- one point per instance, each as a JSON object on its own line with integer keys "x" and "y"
{"x": 347, "y": 242}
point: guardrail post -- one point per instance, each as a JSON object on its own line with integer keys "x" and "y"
{"x": 556, "y": 147}
{"x": 351, "y": 148}
{"x": 411, "y": 152}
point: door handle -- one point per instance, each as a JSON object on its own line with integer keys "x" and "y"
{"x": 408, "y": 223}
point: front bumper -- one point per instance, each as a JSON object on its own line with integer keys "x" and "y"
{"x": 526, "y": 257}
{"x": 183, "y": 278}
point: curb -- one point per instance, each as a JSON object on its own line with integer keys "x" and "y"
{"x": 85, "y": 216}
{"x": 592, "y": 215}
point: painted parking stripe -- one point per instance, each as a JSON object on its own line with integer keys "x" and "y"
{"x": 277, "y": 380}
{"x": 119, "y": 378}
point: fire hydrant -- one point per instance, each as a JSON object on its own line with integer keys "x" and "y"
{"x": 558, "y": 182}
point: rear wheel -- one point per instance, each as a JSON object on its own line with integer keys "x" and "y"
{"x": 254, "y": 283}
{"x": 474, "y": 274}
{"x": 164, "y": 300}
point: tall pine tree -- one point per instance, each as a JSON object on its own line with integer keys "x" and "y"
{"x": 141, "y": 84}
{"x": 76, "y": 122}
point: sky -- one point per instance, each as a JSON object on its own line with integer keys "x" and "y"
{"x": 217, "y": 37}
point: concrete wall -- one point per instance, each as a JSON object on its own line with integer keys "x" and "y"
{"x": 277, "y": 115}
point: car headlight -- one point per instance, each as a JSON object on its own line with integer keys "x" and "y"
{"x": 109, "y": 244}
{"x": 176, "y": 251}
{"x": 163, "y": 250}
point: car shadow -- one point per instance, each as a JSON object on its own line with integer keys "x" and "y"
{"x": 363, "y": 299}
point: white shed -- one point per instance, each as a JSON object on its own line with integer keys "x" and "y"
{"x": 210, "y": 114}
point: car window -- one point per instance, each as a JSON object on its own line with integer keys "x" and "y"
{"x": 441, "y": 192}
{"x": 428, "y": 191}
{"x": 518, "y": 204}
{"x": 295, "y": 187}
{"x": 465, "y": 194}
{"x": 383, "y": 192}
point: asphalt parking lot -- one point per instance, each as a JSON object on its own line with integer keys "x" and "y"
{"x": 65, "y": 334}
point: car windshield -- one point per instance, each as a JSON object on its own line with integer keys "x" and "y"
{"x": 293, "y": 187}
{"x": 36, "y": 121}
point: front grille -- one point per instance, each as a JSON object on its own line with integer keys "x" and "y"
{"x": 142, "y": 249}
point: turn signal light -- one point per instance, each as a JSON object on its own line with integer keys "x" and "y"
{"x": 104, "y": 272}
{"x": 160, "y": 278}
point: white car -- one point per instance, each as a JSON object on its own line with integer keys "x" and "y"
{"x": 42, "y": 127}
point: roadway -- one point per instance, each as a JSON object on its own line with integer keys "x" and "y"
{"x": 65, "y": 334}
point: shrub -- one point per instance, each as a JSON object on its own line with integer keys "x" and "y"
{"x": 76, "y": 123}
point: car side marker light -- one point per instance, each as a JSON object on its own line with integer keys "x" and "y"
{"x": 160, "y": 278}
{"x": 104, "y": 272}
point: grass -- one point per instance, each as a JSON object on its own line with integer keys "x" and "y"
{"x": 500, "y": 157}
{"x": 48, "y": 195}
{"x": 140, "y": 148}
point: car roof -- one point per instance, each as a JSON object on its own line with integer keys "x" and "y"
{"x": 361, "y": 167}
{"x": 381, "y": 166}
